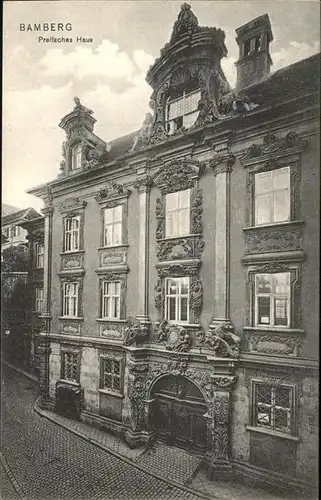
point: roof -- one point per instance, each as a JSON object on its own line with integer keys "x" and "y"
{"x": 8, "y": 209}
{"x": 119, "y": 146}
{"x": 19, "y": 216}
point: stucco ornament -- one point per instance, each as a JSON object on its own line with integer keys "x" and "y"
{"x": 175, "y": 337}
{"x": 133, "y": 331}
{"x": 222, "y": 341}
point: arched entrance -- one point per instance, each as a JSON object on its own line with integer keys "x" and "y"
{"x": 177, "y": 412}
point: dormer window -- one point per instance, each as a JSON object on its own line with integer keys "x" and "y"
{"x": 75, "y": 163}
{"x": 181, "y": 108}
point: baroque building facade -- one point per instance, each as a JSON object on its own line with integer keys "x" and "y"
{"x": 180, "y": 267}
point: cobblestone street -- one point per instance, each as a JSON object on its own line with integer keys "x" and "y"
{"x": 48, "y": 462}
{"x": 43, "y": 460}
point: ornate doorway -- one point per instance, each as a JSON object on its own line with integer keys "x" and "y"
{"x": 177, "y": 412}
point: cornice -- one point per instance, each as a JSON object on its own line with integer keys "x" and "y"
{"x": 255, "y": 360}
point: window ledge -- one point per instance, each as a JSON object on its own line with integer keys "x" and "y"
{"x": 274, "y": 224}
{"x": 68, "y": 252}
{"x": 271, "y": 329}
{"x": 180, "y": 236}
{"x": 271, "y": 432}
{"x": 71, "y": 318}
{"x": 111, "y": 247}
{"x": 111, "y": 320}
{"x": 71, "y": 382}
{"x": 111, "y": 393}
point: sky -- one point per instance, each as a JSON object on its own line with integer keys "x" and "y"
{"x": 108, "y": 75}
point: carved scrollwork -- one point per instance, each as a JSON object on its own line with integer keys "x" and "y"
{"x": 275, "y": 344}
{"x": 111, "y": 191}
{"x": 222, "y": 341}
{"x": 222, "y": 163}
{"x": 197, "y": 212}
{"x": 179, "y": 248}
{"x": 273, "y": 240}
{"x": 177, "y": 270}
{"x": 160, "y": 218}
{"x": 176, "y": 337}
{"x": 159, "y": 297}
{"x": 196, "y": 298}
{"x": 177, "y": 175}
{"x": 71, "y": 204}
{"x": 272, "y": 145}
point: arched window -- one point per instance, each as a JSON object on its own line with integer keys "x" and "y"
{"x": 75, "y": 157}
{"x": 181, "y": 107}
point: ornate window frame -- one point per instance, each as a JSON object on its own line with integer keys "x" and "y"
{"x": 295, "y": 293}
{"x": 112, "y": 356}
{"x": 72, "y": 207}
{"x": 113, "y": 328}
{"x": 70, "y": 350}
{"x": 71, "y": 325}
{"x": 179, "y": 175}
{"x": 111, "y": 196}
{"x": 172, "y": 270}
{"x": 285, "y": 237}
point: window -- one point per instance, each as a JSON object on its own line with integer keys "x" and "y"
{"x": 70, "y": 366}
{"x": 272, "y": 196}
{"x": 75, "y": 157}
{"x": 39, "y": 299}
{"x": 177, "y": 299}
{"x": 178, "y": 213}
{"x": 111, "y": 374}
{"x": 39, "y": 255}
{"x": 247, "y": 47}
{"x": 72, "y": 228}
{"x": 70, "y": 299}
{"x": 6, "y": 232}
{"x": 182, "y": 111}
{"x": 110, "y": 299}
{"x": 272, "y": 299}
{"x": 14, "y": 231}
{"x": 113, "y": 226}
{"x": 273, "y": 407}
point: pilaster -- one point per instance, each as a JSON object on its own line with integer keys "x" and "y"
{"x": 143, "y": 185}
{"x": 222, "y": 166}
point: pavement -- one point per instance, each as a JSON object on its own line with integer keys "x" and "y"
{"x": 48, "y": 456}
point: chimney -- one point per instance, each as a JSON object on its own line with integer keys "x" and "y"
{"x": 254, "y": 61}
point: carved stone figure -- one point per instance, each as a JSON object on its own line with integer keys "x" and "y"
{"x": 159, "y": 297}
{"x": 133, "y": 331}
{"x": 222, "y": 341}
{"x": 79, "y": 106}
{"x": 186, "y": 23}
{"x": 142, "y": 138}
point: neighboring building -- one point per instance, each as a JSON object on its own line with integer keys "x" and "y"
{"x": 12, "y": 232}
{"x": 22, "y": 284}
{"x": 181, "y": 269}
{"x": 8, "y": 209}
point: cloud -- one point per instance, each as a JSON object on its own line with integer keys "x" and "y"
{"x": 107, "y": 61}
{"x": 294, "y": 52}
{"x": 229, "y": 69}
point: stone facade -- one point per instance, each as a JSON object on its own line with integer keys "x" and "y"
{"x": 213, "y": 363}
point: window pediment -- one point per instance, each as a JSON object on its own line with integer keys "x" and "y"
{"x": 111, "y": 192}
{"x": 272, "y": 146}
{"x": 178, "y": 175}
